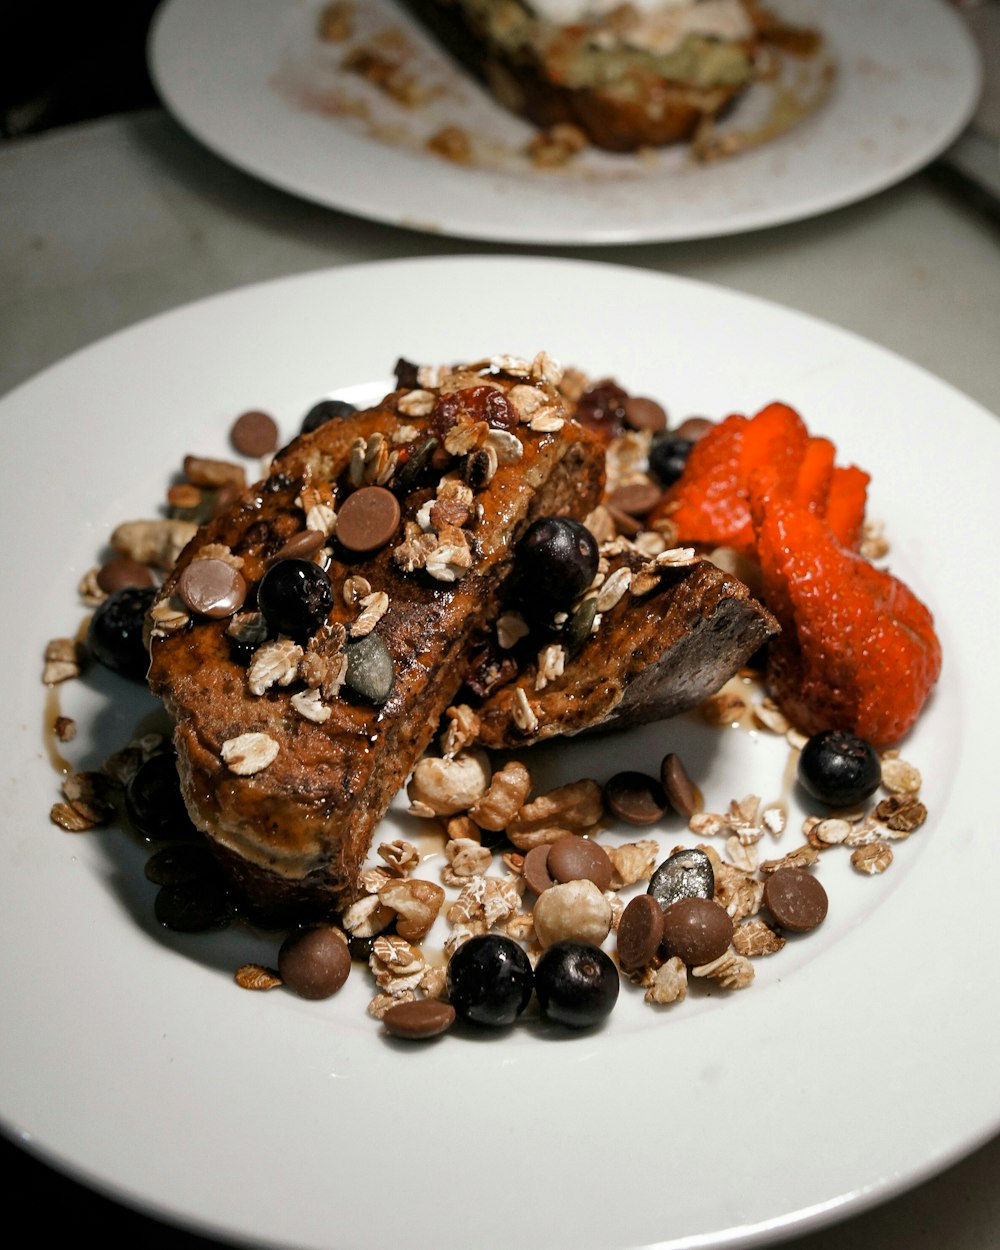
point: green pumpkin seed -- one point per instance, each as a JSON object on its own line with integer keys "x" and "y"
{"x": 370, "y": 671}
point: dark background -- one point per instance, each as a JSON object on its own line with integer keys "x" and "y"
{"x": 63, "y": 62}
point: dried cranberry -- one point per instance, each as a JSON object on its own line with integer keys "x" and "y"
{"x": 602, "y": 410}
{"x": 474, "y": 403}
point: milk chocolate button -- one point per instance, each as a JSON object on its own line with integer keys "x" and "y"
{"x": 693, "y": 428}
{"x": 122, "y": 571}
{"x": 254, "y": 433}
{"x": 796, "y": 899}
{"x": 635, "y": 498}
{"x": 212, "y": 588}
{"x": 367, "y": 519}
{"x": 696, "y": 929}
{"x": 635, "y": 797}
{"x": 301, "y": 546}
{"x": 678, "y": 786}
{"x": 640, "y": 931}
{"x": 572, "y": 858}
{"x": 535, "y": 870}
{"x": 315, "y": 963}
{"x": 644, "y": 414}
{"x": 420, "y": 1019}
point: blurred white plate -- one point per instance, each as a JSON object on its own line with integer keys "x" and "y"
{"x": 251, "y": 81}
{"x": 858, "y": 1062}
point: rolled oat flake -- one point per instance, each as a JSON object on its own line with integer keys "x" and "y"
{"x": 367, "y": 519}
{"x": 212, "y": 588}
{"x": 685, "y": 874}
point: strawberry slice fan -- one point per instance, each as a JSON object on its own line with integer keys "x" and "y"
{"x": 857, "y": 650}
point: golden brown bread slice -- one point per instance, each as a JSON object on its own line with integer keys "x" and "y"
{"x": 284, "y": 766}
{"x": 667, "y": 632}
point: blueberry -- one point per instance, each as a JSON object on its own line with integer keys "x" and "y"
{"x": 154, "y": 802}
{"x": 576, "y": 984}
{"x": 556, "y": 561}
{"x": 115, "y": 633}
{"x": 326, "y": 410}
{"x": 668, "y": 456}
{"x": 839, "y": 768}
{"x": 489, "y": 980}
{"x": 296, "y": 597}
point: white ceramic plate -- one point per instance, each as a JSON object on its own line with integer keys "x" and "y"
{"x": 249, "y": 79}
{"x": 857, "y": 1063}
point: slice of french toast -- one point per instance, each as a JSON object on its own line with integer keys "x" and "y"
{"x": 311, "y": 636}
{"x": 655, "y": 637}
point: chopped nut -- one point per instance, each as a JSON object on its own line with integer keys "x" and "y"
{"x": 156, "y": 542}
{"x": 447, "y": 786}
{"x": 508, "y": 790}
{"x": 573, "y": 808}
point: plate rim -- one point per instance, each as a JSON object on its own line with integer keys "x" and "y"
{"x": 259, "y": 291}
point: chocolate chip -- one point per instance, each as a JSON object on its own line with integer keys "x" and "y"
{"x": 315, "y": 963}
{"x": 635, "y": 797}
{"x": 367, "y": 519}
{"x": 535, "y": 869}
{"x": 254, "y": 433}
{"x": 301, "y": 546}
{"x": 796, "y": 899}
{"x": 679, "y": 788}
{"x": 684, "y": 874}
{"x": 693, "y": 428}
{"x": 572, "y": 858}
{"x": 420, "y": 1019}
{"x": 696, "y": 929}
{"x": 644, "y": 414}
{"x": 121, "y": 572}
{"x": 212, "y": 588}
{"x": 636, "y": 499}
{"x": 640, "y": 931}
